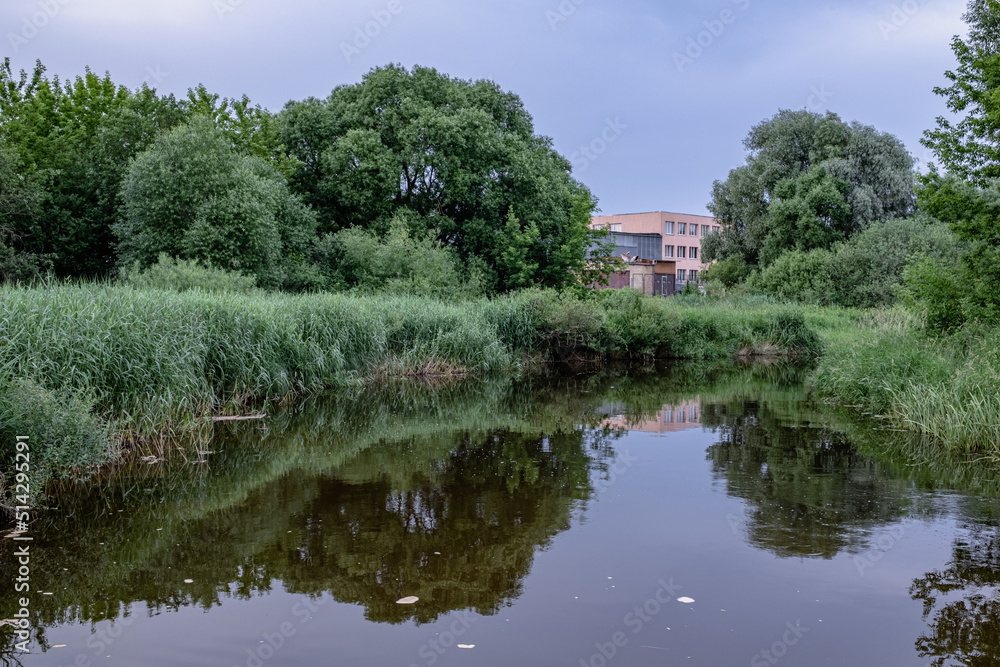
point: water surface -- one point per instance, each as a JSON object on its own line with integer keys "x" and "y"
{"x": 547, "y": 521}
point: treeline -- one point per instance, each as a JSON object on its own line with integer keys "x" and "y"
{"x": 409, "y": 181}
{"x": 833, "y": 213}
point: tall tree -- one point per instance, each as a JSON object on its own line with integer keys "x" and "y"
{"x": 970, "y": 148}
{"x": 193, "y": 195}
{"x": 462, "y": 155}
{"x": 74, "y": 139}
{"x": 809, "y": 181}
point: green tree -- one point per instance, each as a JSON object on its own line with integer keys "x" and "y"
{"x": 193, "y": 196}
{"x": 20, "y": 211}
{"x": 970, "y": 288}
{"x": 461, "y": 155}
{"x": 970, "y": 148}
{"x": 75, "y": 139}
{"x": 809, "y": 181}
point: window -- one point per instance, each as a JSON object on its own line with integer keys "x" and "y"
{"x": 715, "y": 229}
{"x": 693, "y": 413}
{"x": 694, "y": 276}
{"x": 682, "y": 228}
{"x": 668, "y": 416}
{"x": 668, "y": 251}
{"x": 681, "y": 251}
{"x": 694, "y": 253}
{"x": 704, "y": 230}
{"x": 668, "y": 228}
{"x": 616, "y": 227}
{"x": 694, "y": 230}
{"x": 681, "y": 275}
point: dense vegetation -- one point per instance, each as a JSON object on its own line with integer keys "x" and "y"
{"x": 96, "y": 180}
{"x": 89, "y": 368}
{"x": 167, "y": 259}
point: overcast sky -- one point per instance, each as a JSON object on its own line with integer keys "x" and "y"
{"x": 663, "y": 93}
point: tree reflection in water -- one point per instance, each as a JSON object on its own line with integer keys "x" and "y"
{"x": 808, "y": 492}
{"x": 962, "y": 603}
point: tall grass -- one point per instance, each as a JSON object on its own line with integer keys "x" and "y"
{"x": 947, "y": 387}
{"x": 138, "y": 364}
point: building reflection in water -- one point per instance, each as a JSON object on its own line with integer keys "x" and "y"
{"x": 679, "y": 417}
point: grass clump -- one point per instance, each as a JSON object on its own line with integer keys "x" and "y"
{"x": 945, "y": 386}
{"x": 64, "y": 437}
{"x": 180, "y": 275}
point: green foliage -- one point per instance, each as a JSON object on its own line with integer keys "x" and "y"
{"x": 953, "y": 295}
{"x": 191, "y": 195}
{"x": 66, "y": 440}
{"x": 809, "y": 181}
{"x": 180, "y": 275}
{"x": 969, "y": 149}
{"x": 934, "y": 288}
{"x": 460, "y": 155}
{"x": 72, "y": 141}
{"x": 808, "y": 212}
{"x": 865, "y": 272}
{"x": 730, "y": 271}
{"x": 20, "y": 211}
{"x": 798, "y": 276}
{"x": 400, "y": 263}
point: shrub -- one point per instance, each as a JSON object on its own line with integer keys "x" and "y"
{"x": 179, "y": 275}
{"x": 66, "y": 440}
{"x": 864, "y": 272}
{"x": 797, "y": 275}
{"x": 192, "y": 195}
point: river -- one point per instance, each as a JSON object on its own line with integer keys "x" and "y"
{"x": 676, "y": 515}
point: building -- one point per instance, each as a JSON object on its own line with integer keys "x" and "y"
{"x": 680, "y": 237}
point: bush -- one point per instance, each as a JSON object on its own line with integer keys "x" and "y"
{"x": 192, "y": 195}
{"x": 66, "y": 440}
{"x": 179, "y": 275}
{"x": 864, "y": 272}
{"x": 401, "y": 263}
{"x": 797, "y": 275}
{"x": 935, "y": 289}
{"x": 730, "y": 271}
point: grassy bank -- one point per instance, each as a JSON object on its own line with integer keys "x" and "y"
{"x": 89, "y": 370}
{"x": 946, "y": 386}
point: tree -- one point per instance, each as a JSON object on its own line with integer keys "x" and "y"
{"x": 461, "y": 155}
{"x": 193, "y": 196}
{"x": 20, "y": 210}
{"x": 970, "y": 149}
{"x": 53, "y": 126}
{"x": 952, "y": 295}
{"x": 75, "y": 139}
{"x": 809, "y": 181}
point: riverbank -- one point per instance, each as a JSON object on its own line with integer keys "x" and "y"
{"x": 944, "y": 386}
{"x": 92, "y": 371}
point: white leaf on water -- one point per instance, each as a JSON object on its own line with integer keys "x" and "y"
{"x": 189, "y": 581}
{"x": 685, "y": 600}
{"x": 466, "y": 646}
{"x": 408, "y": 600}
{"x": 58, "y": 646}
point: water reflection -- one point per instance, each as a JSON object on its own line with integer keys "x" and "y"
{"x": 439, "y": 493}
{"x": 809, "y": 493}
{"x": 961, "y": 602}
{"x": 449, "y": 493}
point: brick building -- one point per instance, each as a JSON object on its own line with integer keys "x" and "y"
{"x": 680, "y": 238}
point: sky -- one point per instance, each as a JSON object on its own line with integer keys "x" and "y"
{"x": 650, "y": 100}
